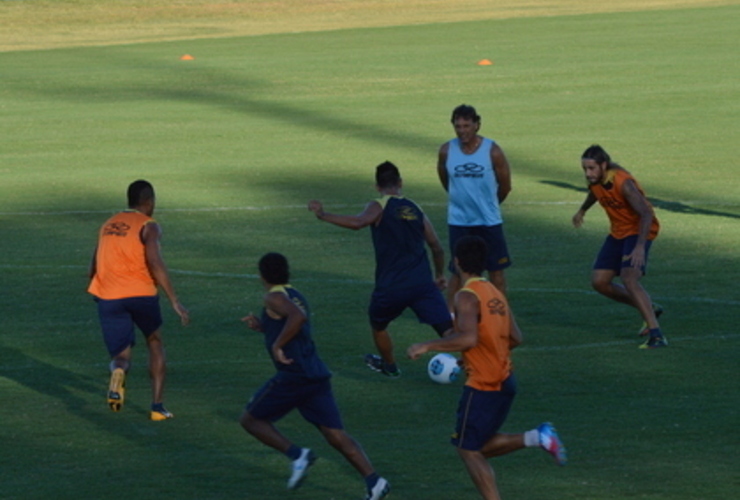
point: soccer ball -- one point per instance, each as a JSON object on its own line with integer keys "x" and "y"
{"x": 443, "y": 368}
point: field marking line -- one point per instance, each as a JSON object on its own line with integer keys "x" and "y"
{"x": 32, "y": 365}
{"x": 352, "y": 281}
{"x": 264, "y": 208}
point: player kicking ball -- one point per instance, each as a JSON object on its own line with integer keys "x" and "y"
{"x": 485, "y": 332}
{"x": 302, "y": 382}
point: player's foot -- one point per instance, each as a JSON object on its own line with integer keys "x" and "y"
{"x": 299, "y": 468}
{"x": 116, "y": 389}
{"x": 654, "y": 342}
{"x": 376, "y": 364}
{"x": 159, "y": 413}
{"x": 380, "y": 490}
{"x": 550, "y": 442}
{"x": 644, "y": 329}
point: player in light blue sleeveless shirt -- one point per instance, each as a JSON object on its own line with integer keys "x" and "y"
{"x": 472, "y": 186}
{"x": 475, "y": 173}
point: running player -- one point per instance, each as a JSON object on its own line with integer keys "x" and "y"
{"x": 485, "y": 333}
{"x": 125, "y": 270}
{"x": 403, "y": 275}
{"x": 626, "y": 248}
{"x": 302, "y": 382}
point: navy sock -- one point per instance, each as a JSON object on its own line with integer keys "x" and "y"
{"x": 157, "y": 406}
{"x": 655, "y": 332}
{"x": 294, "y": 452}
{"x": 391, "y": 367}
{"x": 371, "y": 480}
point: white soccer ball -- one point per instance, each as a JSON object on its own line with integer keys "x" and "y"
{"x": 443, "y": 368}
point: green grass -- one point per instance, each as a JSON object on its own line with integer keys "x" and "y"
{"x": 239, "y": 139}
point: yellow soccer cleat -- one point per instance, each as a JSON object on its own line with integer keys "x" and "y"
{"x": 159, "y": 413}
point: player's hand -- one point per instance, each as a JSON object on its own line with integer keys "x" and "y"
{"x": 182, "y": 312}
{"x": 316, "y": 207}
{"x": 578, "y": 219}
{"x": 416, "y": 350}
{"x": 441, "y": 282}
{"x": 637, "y": 257}
{"x": 280, "y": 357}
{"x": 252, "y": 322}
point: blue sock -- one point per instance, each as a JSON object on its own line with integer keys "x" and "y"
{"x": 294, "y": 452}
{"x": 371, "y": 480}
{"x": 655, "y": 332}
{"x": 157, "y": 407}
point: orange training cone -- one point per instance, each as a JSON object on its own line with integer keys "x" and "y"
{"x": 484, "y": 62}
{"x": 187, "y": 57}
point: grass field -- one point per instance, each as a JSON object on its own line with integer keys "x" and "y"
{"x": 283, "y": 103}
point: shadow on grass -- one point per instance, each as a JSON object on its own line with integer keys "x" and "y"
{"x": 670, "y": 206}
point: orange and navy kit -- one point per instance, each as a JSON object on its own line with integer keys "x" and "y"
{"x": 625, "y": 221}
{"x": 120, "y": 262}
{"x": 488, "y": 364}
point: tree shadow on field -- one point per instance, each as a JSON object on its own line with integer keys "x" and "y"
{"x": 670, "y": 206}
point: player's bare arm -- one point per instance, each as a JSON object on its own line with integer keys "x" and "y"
{"x": 515, "y": 333}
{"x": 502, "y": 171}
{"x": 438, "y": 253}
{"x": 150, "y": 236}
{"x": 640, "y": 205}
{"x": 93, "y": 267}
{"x": 279, "y": 305}
{"x": 253, "y": 322}
{"x": 467, "y": 307}
{"x": 442, "y": 166}
{"x": 579, "y": 215}
{"x": 371, "y": 215}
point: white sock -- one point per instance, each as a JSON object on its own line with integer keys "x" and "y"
{"x": 532, "y": 438}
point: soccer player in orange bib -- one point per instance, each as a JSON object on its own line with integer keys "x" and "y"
{"x": 126, "y": 269}
{"x": 625, "y": 250}
{"x": 485, "y": 332}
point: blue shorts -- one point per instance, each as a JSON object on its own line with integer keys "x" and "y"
{"x": 614, "y": 252}
{"x": 118, "y": 318}
{"x": 498, "y": 253}
{"x": 480, "y": 415}
{"x": 426, "y": 301}
{"x": 313, "y": 399}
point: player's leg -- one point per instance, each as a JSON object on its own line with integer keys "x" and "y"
{"x": 430, "y": 308}
{"x": 270, "y": 403}
{"x": 384, "y": 308}
{"x": 498, "y": 278}
{"x": 638, "y": 295}
{"x": 320, "y": 408}
{"x": 497, "y": 258}
{"x": 119, "y": 336}
{"x": 157, "y": 365}
{"x": 502, "y": 444}
{"x": 602, "y": 280}
{"x": 481, "y": 473}
{"x": 265, "y": 432}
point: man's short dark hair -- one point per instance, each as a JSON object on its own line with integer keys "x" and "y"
{"x": 471, "y": 252}
{"x": 387, "y": 175}
{"x": 139, "y": 192}
{"x": 274, "y": 268}
{"x": 466, "y": 112}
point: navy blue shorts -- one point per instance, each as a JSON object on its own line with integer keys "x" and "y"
{"x": 614, "y": 252}
{"x": 118, "y": 318}
{"x": 480, "y": 415}
{"x": 314, "y": 400}
{"x": 498, "y": 253}
{"x": 426, "y": 301}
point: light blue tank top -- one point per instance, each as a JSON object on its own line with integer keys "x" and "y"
{"x": 473, "y": 188}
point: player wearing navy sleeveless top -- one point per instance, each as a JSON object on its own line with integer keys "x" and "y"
{"x": 302, "y": 382}
{"x": 403, "y": 275}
